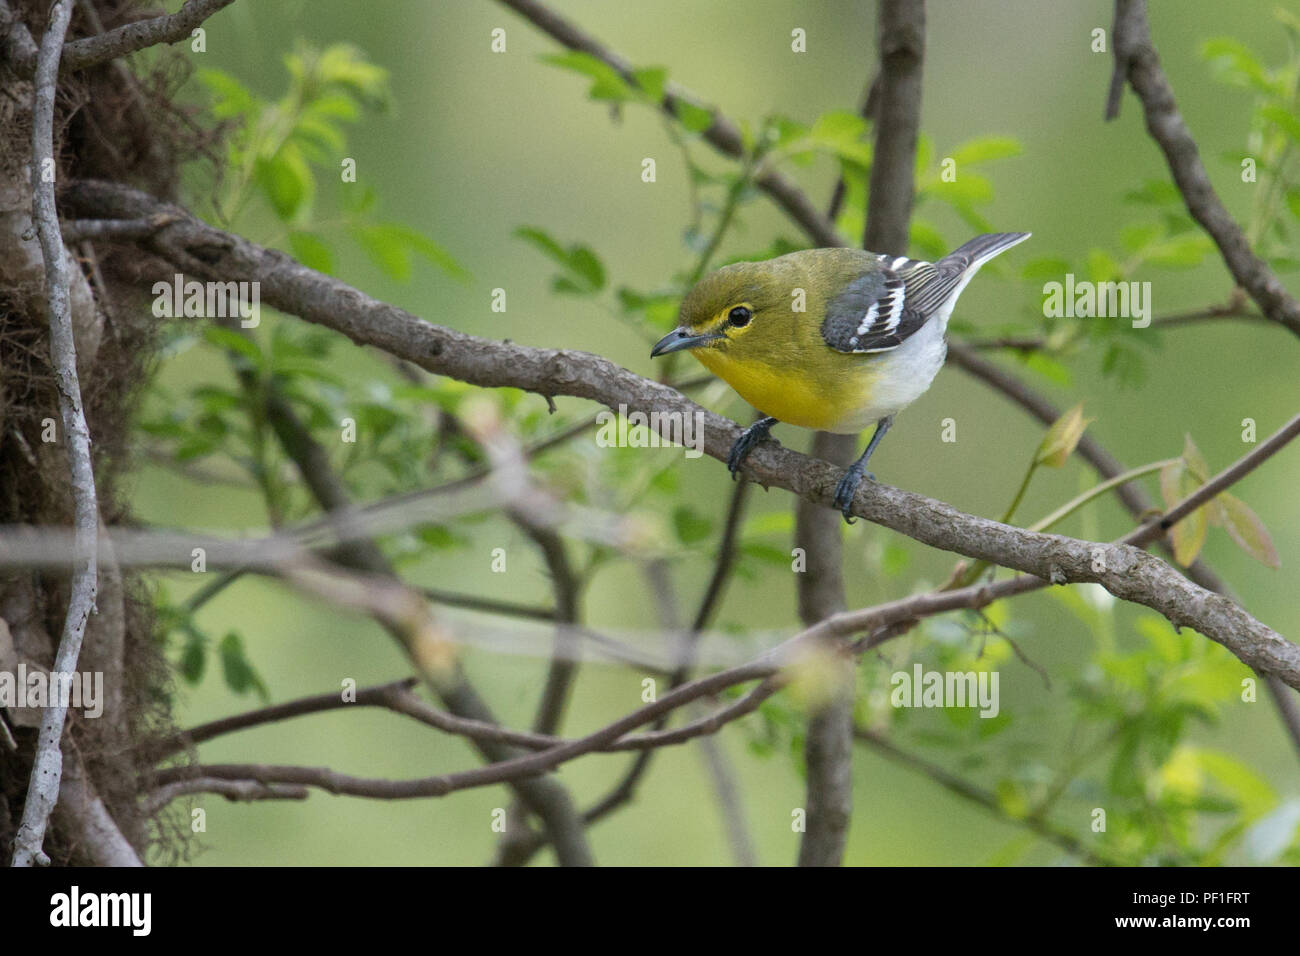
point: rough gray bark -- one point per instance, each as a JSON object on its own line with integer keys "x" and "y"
{"x": 47, "y": 768}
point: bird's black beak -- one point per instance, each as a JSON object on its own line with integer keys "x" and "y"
{"x": 679, "y": 339}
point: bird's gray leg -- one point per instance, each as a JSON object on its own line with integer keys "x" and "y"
{"x": 848, "y": 485}
{"x": 750, "y": 437}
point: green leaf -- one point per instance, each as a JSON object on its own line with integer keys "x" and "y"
{"x": 1060, "y": 441}
{"x": 287, "y": 182}
{"x": 691, "y": 528}
{"x": 841, "y": 133}
{"x": 606, "y": 83}
{"x": 392, "y": 246}
{"x": 1051, "y": 368}
{"x": 1245, "y": 528}
{"x": 894, "y": 559}
{"x": 1102, "y": 266}
{"x": 767, "y": 553}
{"x": 1177, "y": 481}
{"x": 652, "y": 80}
{"x": 984, "y": 149}
{"x": 319, "y": 139}
{"x": 1012, "y": 798}
{"x": 1155, "y": 192}
{"x": 1237, "y": 64}
{"x": 334, "y": 106}
{"x": 230, "y": 97}
{"x": 1180, "y": 251}
{"x": 439, "y": 536}
{"x": 968, "y": 190}
{"x": 1283, "y": 120}
{"x": 543, "y": 241}
{"x": 585, "y": 263}
{"x": 769, "y": 522}
{"x": 1252, "y": 792}
{"x": 1195, "y": 461}
{"x": 194, "y": 657}
{"x": 1293, "y": 201}
{"x": 927, "y": 240}
{"x": 312, "y": 251}
{"x": 235, "y": 668}
{"x": 695, "y": 119}
{"x": 226, "y": 338}
{"x": 584, "y": 272}
{"x": 1138, "y": 236}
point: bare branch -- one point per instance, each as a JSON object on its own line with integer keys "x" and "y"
{"x": 377, "y": 696}
{"x": 121, "y": 41}
{"x": 828, "y": 743}
{"x": 506, "y": 771}
{"x": 47, "y": 768}
{"x": 80, "y": 230}
{"x": 1135, "y": 57}
{"x": 240, "y": 791}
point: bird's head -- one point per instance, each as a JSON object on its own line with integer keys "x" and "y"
{"x": 742, "y": 311}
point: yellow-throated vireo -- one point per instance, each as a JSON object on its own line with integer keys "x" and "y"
{"x": 831, "y": 339}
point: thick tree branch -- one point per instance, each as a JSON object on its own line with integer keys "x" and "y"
{"x": 901, "y": 28}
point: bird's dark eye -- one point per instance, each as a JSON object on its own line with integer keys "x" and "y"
{"x": 740, "y": 316}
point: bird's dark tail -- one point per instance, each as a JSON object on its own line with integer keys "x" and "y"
{"x": 981, "y": 249}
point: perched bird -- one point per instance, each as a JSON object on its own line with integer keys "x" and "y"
{"x": 831, "y": 339}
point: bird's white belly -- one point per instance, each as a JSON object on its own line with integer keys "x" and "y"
{"x": 898, "y": 378}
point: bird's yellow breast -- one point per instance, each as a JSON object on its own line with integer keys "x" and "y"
{"x": 821, "y": 402}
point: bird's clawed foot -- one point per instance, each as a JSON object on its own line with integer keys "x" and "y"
{"x": 751, "y": 436}
{"x": 848, "y": 487}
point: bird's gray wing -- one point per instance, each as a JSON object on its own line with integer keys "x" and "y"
{"x": 879, "y": 310}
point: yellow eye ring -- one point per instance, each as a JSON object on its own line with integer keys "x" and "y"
{"x": 739, "y": 317}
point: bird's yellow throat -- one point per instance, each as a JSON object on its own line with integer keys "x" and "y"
{"x": 789, "y": 396}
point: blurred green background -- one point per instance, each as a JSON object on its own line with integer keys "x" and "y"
{"x": 477, "y": 144}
